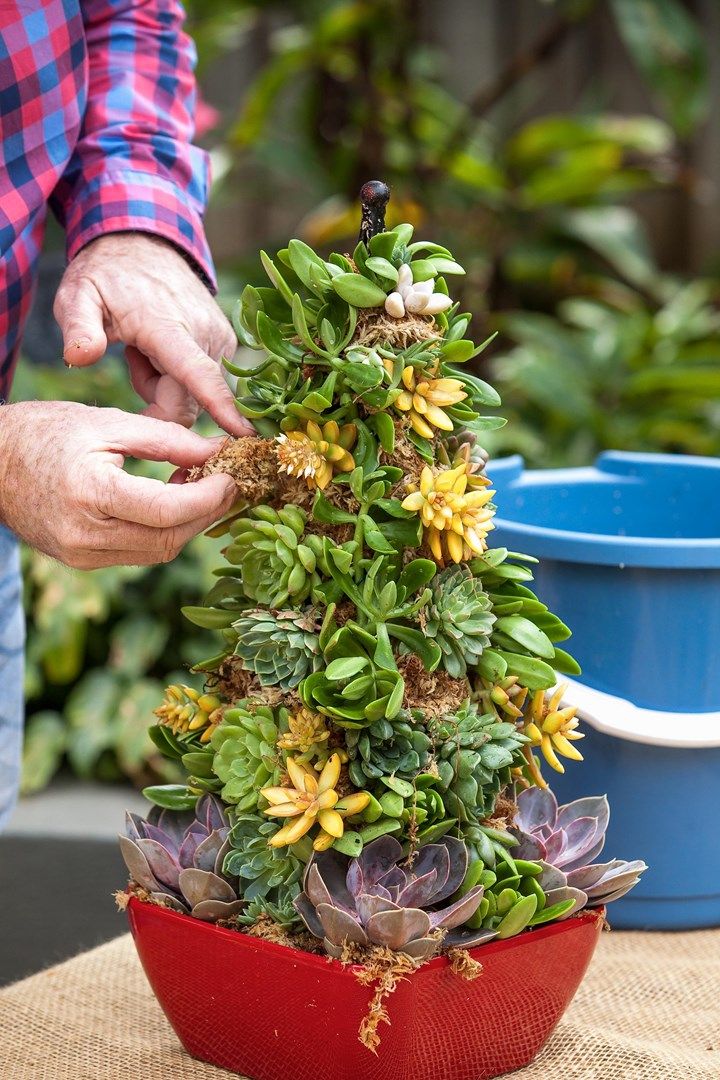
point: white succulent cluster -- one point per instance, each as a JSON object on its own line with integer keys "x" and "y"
{"x": 415, "y": 298}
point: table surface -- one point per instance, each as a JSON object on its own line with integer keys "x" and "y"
{"x": 649, "y": 1009}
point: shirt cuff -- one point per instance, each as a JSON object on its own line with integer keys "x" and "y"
{"x": 125, "y": 200}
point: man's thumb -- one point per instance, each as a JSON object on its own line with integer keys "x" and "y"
{"x": 79, "y": 314}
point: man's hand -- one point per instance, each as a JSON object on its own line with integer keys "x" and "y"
{"x": 63, "y": 488}
{"x": 137, "y": 289}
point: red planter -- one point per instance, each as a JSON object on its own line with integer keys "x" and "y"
{"x": 273, "y": 1013}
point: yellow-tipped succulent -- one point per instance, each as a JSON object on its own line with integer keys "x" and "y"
{"x": 312, "y": 800}
{"x": 307, "y": 736}
{"x": 456, "y": 520}
{"x": 552, "y": 729}
{"x": 317, "y": 453}
{"x": 425, "y": 399}
{"x": 186, "y": 710}
{"x": 505, "y": 697}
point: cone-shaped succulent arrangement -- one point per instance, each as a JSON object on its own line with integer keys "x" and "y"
{"x": 366, "y": 762}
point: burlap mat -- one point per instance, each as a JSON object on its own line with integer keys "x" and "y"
{"x": 649, "y": 1009}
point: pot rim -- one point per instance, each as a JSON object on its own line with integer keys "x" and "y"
{"x": 321, "y": 961}
{"x": 607, "y": 549}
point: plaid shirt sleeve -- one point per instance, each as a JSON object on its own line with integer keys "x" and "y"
{"x": 134, "y": 167}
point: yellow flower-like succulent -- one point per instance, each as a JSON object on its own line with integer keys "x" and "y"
{"x": 317, "y": 453}
{"x": 506, "y": 697}
{"x": 187, "y": 710}
{"x": 425, "y": 399}
{"x": 552, "y": 729}
{"x": 456, "y": 521}
{"x": 312, "y": 799}
{"x": 307, "y": 736}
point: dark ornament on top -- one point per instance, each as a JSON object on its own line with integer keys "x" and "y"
{"x": 374, "y": 198}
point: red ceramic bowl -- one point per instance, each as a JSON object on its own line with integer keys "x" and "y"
{"x": 273, "y": 1013}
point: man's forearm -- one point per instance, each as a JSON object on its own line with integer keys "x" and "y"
{"x": 135, "y": 168}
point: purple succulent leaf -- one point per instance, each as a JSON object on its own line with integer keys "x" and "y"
{"x": 530, "y": 847}
{"x": 306, "y": 910}
{"x": 557, "y": 896}
{"x": 161, "y": 862}
{"x": 615, "y": 876}
{"x": 209, "y": 811}
{"x": 354, "y": 878}
{"x": 432, "y": 857}
{"x": 377, "y": 857}
{"x": 192, "y": 841}
{"x": 459, "y": 912}
{"x": 153, "y": 832}
{"x": 339, "y": 926}
{"x": 332, "y": 867}
{"x": 133, "y": 826}
{"x": 368, "y": 905}
{"x": 394, "y": 878}
{"x": 396, "y": 928}
{"x": 138, "y": 866}
{"x": 555, "y": 848}
{"x": 422, "y": 948}
{"x": 212, "y": 910}
{"x": 607, "y": 898}
{"x": 586, "y": 876}
{"x": 419, "y": 892}
{"x": 199, "y": 885}
{"x": 457, "y": 856}
{"x": 173, "y": 822}
{"x": 171, "y": 902}
{"x": 593, "y": 806}
{"x": 220, "y": 859}
{"x": 581, "y": 837}
{"x": 318, "y": 891}
{"x": 206, "y": 853}
{"x": 378, "y": 890}
{"x": 467, "y": 939}
{"x": 552, "y": 877}
{"x": 536, "y": 807}
{"x": 587, "y": 858}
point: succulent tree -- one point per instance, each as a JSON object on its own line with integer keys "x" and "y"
{"x": 364, "y": 754}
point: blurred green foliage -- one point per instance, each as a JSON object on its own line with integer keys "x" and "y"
{"x": 598, "y": 347}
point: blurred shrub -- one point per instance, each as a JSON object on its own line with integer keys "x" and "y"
{"x": 102, "y": 645}
{"x": 630, "y": 376}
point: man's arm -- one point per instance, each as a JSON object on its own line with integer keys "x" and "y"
{"x": 134, "y": 173}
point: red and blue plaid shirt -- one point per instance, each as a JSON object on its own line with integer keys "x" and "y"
{"x": 96, "y": 105}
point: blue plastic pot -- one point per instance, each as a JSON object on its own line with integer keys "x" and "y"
{"x": 630, "y": 551}
{"x": 630, "y": 559}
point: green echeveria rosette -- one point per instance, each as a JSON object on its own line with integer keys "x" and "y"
{"x": 397, "y": 747}
{"x": 474, "y": 756}
{"x": 459, "y": 618}
{"x": 269, "y": 877}
{"x": 278, "y": 564}
{"x": 281, "y": 647}
{"x": 246, "y": 758}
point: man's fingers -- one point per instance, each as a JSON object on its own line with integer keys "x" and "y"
{"x": 150, "y": 439}
{"x": 157, "y": 505}
{"x": 178, "y": 352}
{"x": 79, "y": 310}
{"x": 165, "y": 398}
{"x": 143, "y": 376}
{"x": 142, "y": 544}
